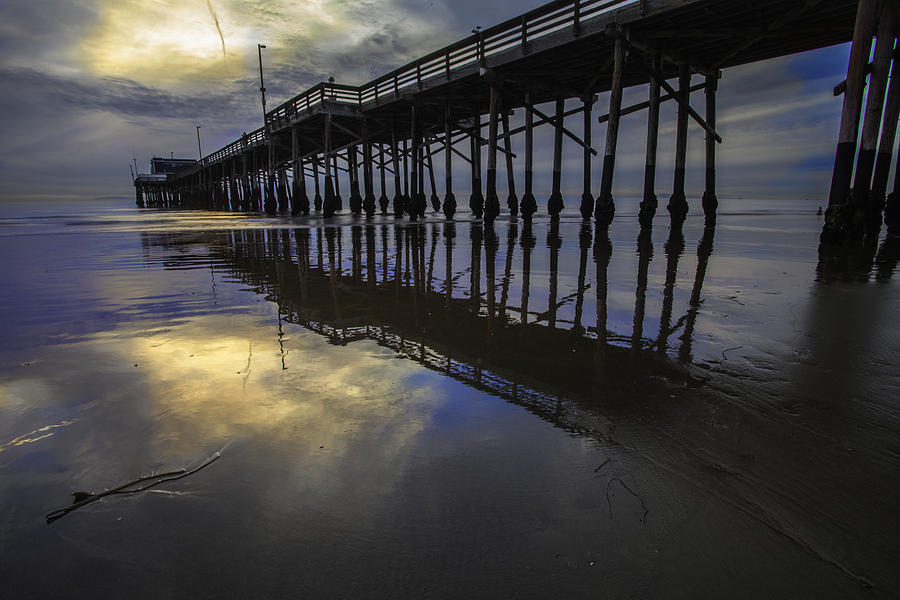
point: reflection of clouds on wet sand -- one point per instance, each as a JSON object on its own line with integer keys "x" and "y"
{"x": 213, "y": 385}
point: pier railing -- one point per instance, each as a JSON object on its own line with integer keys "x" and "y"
{"x": 473, "y": 50}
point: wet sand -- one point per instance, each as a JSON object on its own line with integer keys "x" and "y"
{"x": 555, "y": 415}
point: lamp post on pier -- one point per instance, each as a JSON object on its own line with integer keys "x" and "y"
{"x": 262, "y": 85}
{"x": 199, "y": 149}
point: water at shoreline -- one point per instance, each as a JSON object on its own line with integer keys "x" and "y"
{"x": 710, "y": 414}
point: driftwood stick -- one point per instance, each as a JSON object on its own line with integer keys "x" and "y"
{"x": 82, "y": 498}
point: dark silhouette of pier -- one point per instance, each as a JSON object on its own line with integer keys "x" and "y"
{"x": 451, "y": 103}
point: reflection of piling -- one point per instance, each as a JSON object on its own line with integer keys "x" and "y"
{"x": 527, "y": 243}
{"x": 449, "y": 242}
{"x": 645, "y": 255}
{"x": 512, "y": 235}
{"x": 491, "y": 244}
{"x": 602, "y": 256}
{"x": 704, "y": 251}
{"x": 554, "y": 242}
{"x": 584, "y": 243}
{"x": 476, "y": 236}
{"x": 673, "y": 247}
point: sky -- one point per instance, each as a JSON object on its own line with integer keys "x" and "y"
{"x": 89, "y": 84}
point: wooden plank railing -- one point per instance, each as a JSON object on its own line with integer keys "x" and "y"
{"x": 514, "y": 33}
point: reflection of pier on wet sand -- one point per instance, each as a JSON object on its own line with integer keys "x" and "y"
{"x": 510, "y": 347}
{"x": 709, "y": 454}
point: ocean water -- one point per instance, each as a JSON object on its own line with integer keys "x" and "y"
{"x": 382, "y": 409}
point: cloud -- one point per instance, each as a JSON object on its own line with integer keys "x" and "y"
{"x": 121, "y": 96}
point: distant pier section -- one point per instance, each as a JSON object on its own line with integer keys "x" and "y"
{"x": 402, "y": 131}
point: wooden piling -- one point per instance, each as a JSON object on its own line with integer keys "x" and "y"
{"x": 282, "y": 192}
{"x": 710, "y": 202}
{"x": 317, "y": 199}
{"x": 885, "y": 149}
{"x": 872, "y": 117}
{"x": 678, "y": 206}
{"x": 270, "y": 202}
{"x": 383, "y": 198}
{"x": 491, "y": 199}
{"x": 329, "y": 207}
{"x": 398, "y": 207}
{"x": 892, "y": 204}
{"x": 355, "y": 197}
{"x": 421, "y": 200}
{"x": 587, "y": 196}
{"x": 476, "y": 200}
{"x": 368, "y": 183}
{"x": 555, "y": 203}
{"x": 413, "y": 208}
{"x": 529, "y": 204}
{"x": 435, "y": 200}
{"x": 407, "y": 198}
{"x": 512, "y": 200}
{"x": 338, "y": 201}
{"x": 449, "y": 197}
{"x": 836, "y": 217}
{"x": 301, "y": 199}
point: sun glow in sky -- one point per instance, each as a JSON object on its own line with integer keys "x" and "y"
{"x": 158, "y": 41}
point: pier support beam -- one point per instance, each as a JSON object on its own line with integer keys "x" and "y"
{"x": 338, "y": 201}
{"x": 529, "y": 204}
{"x": 649, "y": 201}
{"x": 368, "y": 173}
{"x": 885, "y": 150}
{"x": 270, "y": 204}
{"x": 399, "y": 206}
{"x": 301, "y": 198}
{"x": 383, "y": 201}
{"x": 435, "y": 199}
{"x": 512, "y": 201}
{"x": 864, "y": 210}
{"x": 678, "y": 206}
{"x": 710, "y": 202}
{"x": 476, "y": 199}
{"x": 449, "y": 197}
{"x": 330, "y": 205}
{"x": 317, "y": 199}
{"x": 353, "y": 165}
{"x": 492, "y": 200}
{"x": 407, "y": 198}
{"x": 413, "y": 207}
{"x": 892, "y": 205}
{"x": 837, "y": 217}
{"x": 587, "y": 196}
{"x": 555, "y": 203}
{"x": 606, "y": 208}
{"x": 284, "y": 201}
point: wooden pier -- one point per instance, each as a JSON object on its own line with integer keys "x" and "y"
{"x": 455, "y": 104}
